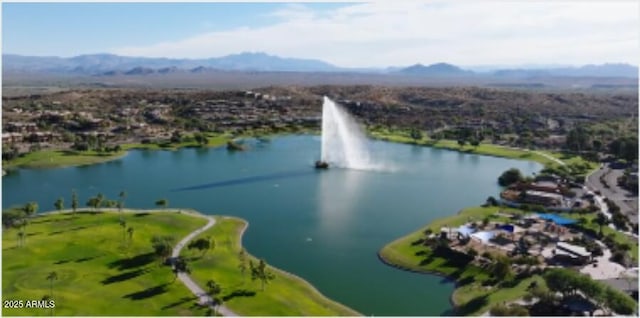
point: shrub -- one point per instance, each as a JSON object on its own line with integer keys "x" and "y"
{"x": 509, "y": 177}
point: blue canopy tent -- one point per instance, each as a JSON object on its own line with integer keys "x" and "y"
{"x": 556, "y": 219}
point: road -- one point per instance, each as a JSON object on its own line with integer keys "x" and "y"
{"x": 203, "y": 298}
{"x": 628, "y": 204}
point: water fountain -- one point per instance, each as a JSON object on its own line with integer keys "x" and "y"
{"x": 343, "y": 142}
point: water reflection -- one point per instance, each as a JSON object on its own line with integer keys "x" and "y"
{"x": 338, "y": 192}
{"x": 246, "y": 180}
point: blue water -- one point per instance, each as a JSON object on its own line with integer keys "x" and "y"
{"x": 325, "y": 226}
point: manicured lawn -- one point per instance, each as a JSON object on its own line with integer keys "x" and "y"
{"x": 99, "y": 274}
{"x": 60, "y": 158}
{"x": 470, "y": 297}
{"x": 482, "y": 149}
{"x": 213, "y": 139}
{"x": 286, "y": 295}
{"x": 481, "y": 299}
{"x": 402, "y": 253}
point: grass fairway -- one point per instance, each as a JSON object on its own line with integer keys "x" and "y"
{"x": 543, "y": 157}
{"x": 60, "y": 158}
{"x": 470, "y": 298}
{"x": 213, "y": 140}
{"x": 286, "y": 295}
{"x": 98, "y": 273}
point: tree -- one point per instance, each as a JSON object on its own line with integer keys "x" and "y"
{"x": 59, "y": 204}
{"x": 51, "y": 277}
{"x": 74, "y": 200}
{"x": 180, "y": 266}
{"x": 13, "y": 217}
{"x": 162, "y": 245}
{"x": 202, "y": 244}
{"x": 501, "y": 268}
{"x": 261, "y": 273}
{"x": 242, "y": 257}
{"x": 176, "y": 137}
{"x": 31, "y": 208}
{"x": 123, "y": 224}
{"x": 201, "y": 139}
{"x": 416, "y": 134}
{"x": 162, "y": 203}
{"x": 601, "y": 220}
{"x": 578, "y": 139}
{"x": 130, "y": 231}
{"x": 462, "y": 142}
{"x": 21, "y": 236}
{"x": 93, "y": 202}
{"x": 122, "y": 196}
{"x": 485, "y": 221}
{"x": 491, "y": 201}
{"x": 509, "y": 177}
{"x": 474, "y": 142}
{"x": 99, "y": 199}
{"x": 214, "y": 290}
{"x": 110, "y": 204}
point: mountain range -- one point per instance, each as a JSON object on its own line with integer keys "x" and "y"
{"x": 110, "y": 64}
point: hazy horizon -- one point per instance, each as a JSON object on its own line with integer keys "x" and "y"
{"x": 476, "y": 68}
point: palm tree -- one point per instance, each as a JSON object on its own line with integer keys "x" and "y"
{"x": 601, "y": 220}
{"x": 99, "y": 200}
{"x": 242, "y": 257}
{"x": 21, "y": 236}
{"x": 122, "y": 196}
{"x": 130, "y": 232}
{"x": 213, "y": 289}
{"x": 59, "y": 204}
{"x": 123, "y": 224}
{"x": 261, "y": 273}
{"x": 74, "y": 200}
{"x": 51, "y": 277}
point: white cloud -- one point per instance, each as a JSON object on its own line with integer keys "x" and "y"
{"x": 402, "y": 33}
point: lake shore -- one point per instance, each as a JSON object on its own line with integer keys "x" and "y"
{"x": 287, "y": 283}
{"x": 58, "y": 158}
{"x": 469, "y": 298}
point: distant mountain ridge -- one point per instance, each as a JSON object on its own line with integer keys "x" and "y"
{"x": 109, "y": 63}
{"x": 112, "y": 65}
{"x": 438, "y": 69}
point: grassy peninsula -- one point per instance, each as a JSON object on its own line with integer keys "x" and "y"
{"x": 470, "y": 297}
{"x": 102, "y": 268}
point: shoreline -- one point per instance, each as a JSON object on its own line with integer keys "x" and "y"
{"x": 522, "y": 153}
{"x": 291, "y": 275}
{"x": 198, "y": 214}
{"x": 448, "y": 278}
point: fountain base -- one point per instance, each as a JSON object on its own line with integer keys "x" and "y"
{"x": 322, "y": 164}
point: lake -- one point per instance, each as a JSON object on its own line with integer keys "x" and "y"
{"x": 325, "y": 226}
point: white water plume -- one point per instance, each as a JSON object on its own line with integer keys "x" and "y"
{"x": 344, "y": 144}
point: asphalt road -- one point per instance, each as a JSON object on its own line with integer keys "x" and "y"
{"x": 627, "y": 202}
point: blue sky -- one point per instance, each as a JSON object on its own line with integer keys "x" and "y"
{"x": 357, "y": 35}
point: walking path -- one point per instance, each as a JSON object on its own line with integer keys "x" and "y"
{"x": 550, "y": 157}
{"x": 184, "y": 277}
{"x": 187, "y": 281}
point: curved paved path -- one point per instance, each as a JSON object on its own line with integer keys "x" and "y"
{"x": 186, "y": 279}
